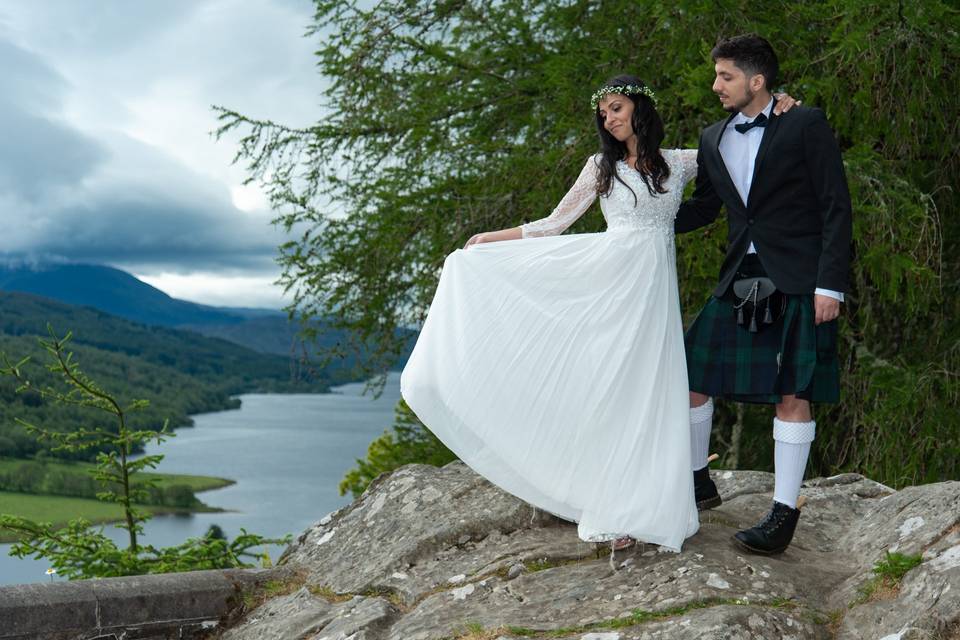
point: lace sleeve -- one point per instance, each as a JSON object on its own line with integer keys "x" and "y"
{"x": 571, "y": 207}
{"x": 688, "y": 160}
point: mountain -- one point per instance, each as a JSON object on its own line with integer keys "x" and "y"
{"x": 114, "y": 291}
{"x": 121, "y": 294}
{"x": 232, "y": 366}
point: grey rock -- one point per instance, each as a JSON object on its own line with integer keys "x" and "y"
{"x": 726, "y": 622}
{"x": 907, "y": 521}
{"x": 731, "y": 484}
{"x": 434, "y": 553}
{"x": 364, "y": 619}
{"x": 923, "y": 521}
{"x": 414, "y": 529}
{"x": 928, "y": 604}
{"x": 304, "y": 615}
{"x": 292, "y": 616}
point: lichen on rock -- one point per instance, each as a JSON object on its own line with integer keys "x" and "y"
{"x": 439, "y": 553}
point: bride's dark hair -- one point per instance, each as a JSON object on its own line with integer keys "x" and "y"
{"x": 648, "y": 126}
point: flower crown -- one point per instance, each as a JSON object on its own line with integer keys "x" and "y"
{"x": 627, "y": 90}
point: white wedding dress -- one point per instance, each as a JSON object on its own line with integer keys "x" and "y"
{"x": 554, "y": 365}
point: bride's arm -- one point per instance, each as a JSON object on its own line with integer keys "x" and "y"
{"x": 513, "y": 233}
{"x": 688, "y": 160}
{"x": 571, "y": 207}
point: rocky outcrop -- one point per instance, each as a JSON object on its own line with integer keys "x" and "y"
{"x": 429, "y": 553}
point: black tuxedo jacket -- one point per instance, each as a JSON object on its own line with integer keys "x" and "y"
{"x": 799, "y": 214}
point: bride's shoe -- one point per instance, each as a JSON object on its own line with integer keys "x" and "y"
{"x": 623, "y": 543}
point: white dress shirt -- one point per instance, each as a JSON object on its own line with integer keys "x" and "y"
{"x": 739, "y": 153}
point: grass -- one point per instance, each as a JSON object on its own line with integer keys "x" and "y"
{"x": 391, "y": 595}
{"x": 884, "y": 585}
{"x": 271, "y": 589}
{"x": 539, "y": 564}
{"x": 60, "y": 509}
{"x": 888, "y": 573}
{"x": 476, "y": 631}
{"x": 328, "y": 594}
{"x": 542, "y": 564}
{"x": 196, "y": 483}
{"x": 41, "y": 508}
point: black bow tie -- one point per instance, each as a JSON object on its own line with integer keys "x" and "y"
{"x": 759, "y": 121}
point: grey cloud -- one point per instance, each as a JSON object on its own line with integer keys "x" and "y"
{"x": 27, "y": 81}
{"x": 154, "y": 212}
{"x": 159, "y": 232}
{"x": 38, "y": 153}
{"x": 65, "y": 195}
{"x": 107, "y": 25}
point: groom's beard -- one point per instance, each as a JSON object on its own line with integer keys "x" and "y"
{"x": 740, "y": 104}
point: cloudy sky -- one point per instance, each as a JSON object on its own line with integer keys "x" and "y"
{"x": 106, "y": 155}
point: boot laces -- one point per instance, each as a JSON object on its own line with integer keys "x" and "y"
{"x": 773, "y": 520}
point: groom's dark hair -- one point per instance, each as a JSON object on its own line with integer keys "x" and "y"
{"x": 751, "y": 54}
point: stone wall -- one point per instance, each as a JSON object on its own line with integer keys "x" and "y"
{"x": 161, "y": 607}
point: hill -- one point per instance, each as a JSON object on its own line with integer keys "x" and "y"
{"x": 179, "y": 372}
{"x": 119, "y": 293}
{"x": 113, "y": 291}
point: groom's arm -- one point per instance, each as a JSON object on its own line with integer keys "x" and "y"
{"x": 825, "y": 168}
{"x": 703, "y": 206}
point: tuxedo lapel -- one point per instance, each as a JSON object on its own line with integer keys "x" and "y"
{"x": 765, "y": 142}
{"x": 726, "y": 182}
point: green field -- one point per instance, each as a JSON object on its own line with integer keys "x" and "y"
{"x": 196, "y": 483}
{"x": 59, "y": 510}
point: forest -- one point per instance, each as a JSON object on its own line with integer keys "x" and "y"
{"x": 443, "y": 119}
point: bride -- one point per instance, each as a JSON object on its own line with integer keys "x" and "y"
{"x": 554, "y": 365}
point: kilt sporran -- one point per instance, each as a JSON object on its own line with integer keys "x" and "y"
{"x": 754, "y": 294}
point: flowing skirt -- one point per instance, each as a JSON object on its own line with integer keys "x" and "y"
{"x": 555, "y": 368}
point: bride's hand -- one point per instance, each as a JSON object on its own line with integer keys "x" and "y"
{"x": 785, "y": 102}
{"x": 477, "y": 238}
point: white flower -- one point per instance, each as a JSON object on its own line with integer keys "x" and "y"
{"x": 630, "y": 89}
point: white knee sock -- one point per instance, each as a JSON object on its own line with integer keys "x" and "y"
{"x": 701, "y": 421}
{"x": 791, "y": 449}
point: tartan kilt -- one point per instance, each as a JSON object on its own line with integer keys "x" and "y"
{"x": 794, "y": 356}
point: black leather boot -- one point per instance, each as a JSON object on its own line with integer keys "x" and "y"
{"x": 773, "y": 534}
{"x": 704, "y": 491}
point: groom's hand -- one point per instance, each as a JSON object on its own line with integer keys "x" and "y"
{"x": 825, "y": 308}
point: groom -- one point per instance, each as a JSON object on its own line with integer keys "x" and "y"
{"x": 782, "y": 183}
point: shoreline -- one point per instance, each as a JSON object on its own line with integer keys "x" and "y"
{"x": 7, "y": 537}
{"x": 60, "y": 509}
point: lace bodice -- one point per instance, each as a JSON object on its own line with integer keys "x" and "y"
{"x": 651, "y": 213}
